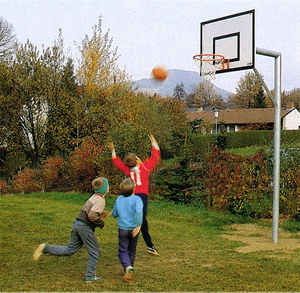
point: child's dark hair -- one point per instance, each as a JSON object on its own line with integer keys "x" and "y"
{"x": 127, "y": 187}
{"x": 130, "y": 160}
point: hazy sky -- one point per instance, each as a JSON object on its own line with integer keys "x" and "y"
{"x": 165, "y": 32}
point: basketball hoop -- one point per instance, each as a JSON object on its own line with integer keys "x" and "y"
{"x": 209, "y": 64}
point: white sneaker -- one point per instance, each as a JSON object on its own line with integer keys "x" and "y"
{"x": 128, "y": 273}
{"x": 39, "y": 251}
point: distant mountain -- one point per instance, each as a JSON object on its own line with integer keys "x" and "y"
{"x": 175, "y": 76}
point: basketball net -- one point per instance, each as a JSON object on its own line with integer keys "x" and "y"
{"x": 209, "y": 64}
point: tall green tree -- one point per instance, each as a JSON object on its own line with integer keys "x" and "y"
{"x": 37, "y": 102}
{"x": 24, "y": 100}
{"x": 249, "y": 89}
{"x": 62, "y": 95}
{"x": 204, "y": 95}
{"x": 99, "y": 79}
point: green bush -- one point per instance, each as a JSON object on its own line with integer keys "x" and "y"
{"x": 292, "y": 225}
{"x": 289, "y": 182}
{"x": 242, "y": 139}
{"x": 201, "y": 143}
{"x": 253, "y": 205}
{"x": 182, "y": 182}
{"x": 248, "y": 138}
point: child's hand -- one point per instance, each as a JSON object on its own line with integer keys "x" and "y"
{"x": 104, "y": 214}
{"x": 112, "y": 149}
{"x": 136, "y": 231}
{"x": 111, "y": 146}
{"x": 152, "y": 139}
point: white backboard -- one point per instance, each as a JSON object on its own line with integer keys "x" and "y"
{"x": 232, "y": 36}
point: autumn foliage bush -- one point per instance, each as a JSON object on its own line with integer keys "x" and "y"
{"x": 84, "y": 164}
{"x": 290, "y": 183}
{"x": 26, "y": 181}
{"x": 240, "y": 185}
{"x": 53, "y": 174}
{"x": 76, "y": 173}
{"x": 3, "y": 187}
{"x": 232, "y": 183}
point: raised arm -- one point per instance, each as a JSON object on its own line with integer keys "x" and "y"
{"x": 153, "y": 141}
{"x": 112, "y": 149}
{"x": 117, "y": 161}
{"x": 155, "y": 154}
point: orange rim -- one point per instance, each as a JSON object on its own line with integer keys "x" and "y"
{"x": 212, "y": 58}
{"x": 201, "y": 57}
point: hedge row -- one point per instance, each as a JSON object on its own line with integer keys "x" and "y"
{"x": 244, "y": 139}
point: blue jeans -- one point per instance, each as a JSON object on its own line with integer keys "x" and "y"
{"x": 81, "y": 234}
{"x": 127, "y": 247}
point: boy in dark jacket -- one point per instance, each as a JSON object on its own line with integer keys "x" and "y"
{"x": 83, "y": 230}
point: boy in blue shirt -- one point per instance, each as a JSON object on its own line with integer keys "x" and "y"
{"x": 129, "y": 209}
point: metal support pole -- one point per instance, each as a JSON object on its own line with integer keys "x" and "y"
{"x": 277, "y": 128}
{"x": 264, "y": 85}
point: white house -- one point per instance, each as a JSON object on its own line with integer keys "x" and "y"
{"x": 237, "y": 119}
{"x": 291, "y": 121}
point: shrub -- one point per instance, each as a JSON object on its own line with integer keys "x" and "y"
{"x": 221, "y": 181}
{"x": 290, "y": 182}
{"x": 26, "y": 181}
{"x": 53, "y": 174}
{"x": 253, "y": 205}
{"x": 3, "y": 187}
{"x": 84, "y": 165}
{"x": 248, "y": 138}
{"x": 182, "y": 182}
{"x": 237, "y": 184}
{"x": 244, "y": 139}
{"x": 221, "y": 142}
{"x": 201, "y": 143}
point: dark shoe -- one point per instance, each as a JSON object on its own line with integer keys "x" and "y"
{"x": 152, "y": 250}
{"x": 92, "y": 279}
{"x": 128, "y": 273}
{"x": 39, "y": 251}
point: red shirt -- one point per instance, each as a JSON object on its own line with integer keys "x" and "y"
{"x": 140, "y": 174}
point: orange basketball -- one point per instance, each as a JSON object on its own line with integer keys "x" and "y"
{"x": 159, "y": 73}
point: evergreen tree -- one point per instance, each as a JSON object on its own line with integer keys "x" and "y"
{"x": 260, "y": 99}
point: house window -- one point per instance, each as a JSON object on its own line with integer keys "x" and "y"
{"x": 231, "y": 128}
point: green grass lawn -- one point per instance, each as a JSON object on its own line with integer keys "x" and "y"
{"x": 194, "y": 256}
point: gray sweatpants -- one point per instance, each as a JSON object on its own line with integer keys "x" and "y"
{"x": 81, "y": 234}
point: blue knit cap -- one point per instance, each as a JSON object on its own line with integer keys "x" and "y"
{"x": 103, "y": 189}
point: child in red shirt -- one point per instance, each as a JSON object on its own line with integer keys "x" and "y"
{"x": 139, "y": 172}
